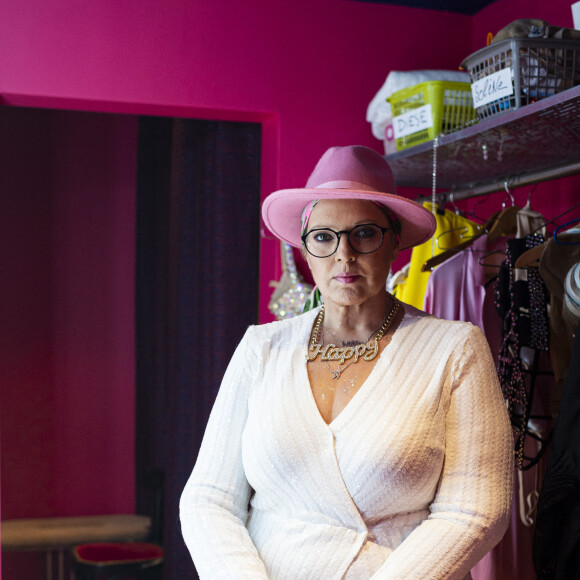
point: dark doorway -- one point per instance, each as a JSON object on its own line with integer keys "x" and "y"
{"x": 197, "y": 290}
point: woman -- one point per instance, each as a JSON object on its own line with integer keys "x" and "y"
{"x": 364, "y": 438}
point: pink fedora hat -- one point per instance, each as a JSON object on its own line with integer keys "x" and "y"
{"x": 353, "y": 172}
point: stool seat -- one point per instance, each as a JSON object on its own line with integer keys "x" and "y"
{"x": 107, "y": 553}
{"x": 114, "y": 560}
{"x": 133, "y": 558}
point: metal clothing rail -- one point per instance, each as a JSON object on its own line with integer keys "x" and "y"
{"x": 513, "y": 182}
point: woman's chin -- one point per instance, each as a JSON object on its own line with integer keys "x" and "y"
{"x": 347, "y": 297}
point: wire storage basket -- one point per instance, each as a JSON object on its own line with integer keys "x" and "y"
{"x": 515, "y": 72}
{"x": 424, "y": 111}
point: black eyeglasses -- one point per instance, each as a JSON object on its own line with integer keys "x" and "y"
{"x": 363, "y": 239}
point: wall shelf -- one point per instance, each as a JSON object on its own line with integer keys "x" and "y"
{"x": 538, "y": 142}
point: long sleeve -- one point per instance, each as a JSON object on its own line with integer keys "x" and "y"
{"x": 214, "y": 503}
{"x": 411, "y": 481}
{"x": 470, "y": 511}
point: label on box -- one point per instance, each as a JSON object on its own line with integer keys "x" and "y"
{"x": 419, "y": 119}
{"x": 493, "y": 87}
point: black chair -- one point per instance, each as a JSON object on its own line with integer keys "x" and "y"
{"x": 117, "y": 560}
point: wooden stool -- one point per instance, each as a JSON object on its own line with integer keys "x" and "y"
{"x": 115, "y": 560}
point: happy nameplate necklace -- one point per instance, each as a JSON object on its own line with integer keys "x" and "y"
{"x": 367, "y": 351}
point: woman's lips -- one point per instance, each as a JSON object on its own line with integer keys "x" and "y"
{"x": 346, "y": 278}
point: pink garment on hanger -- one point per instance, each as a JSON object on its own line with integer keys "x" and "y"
{"x": 456, "y": 288}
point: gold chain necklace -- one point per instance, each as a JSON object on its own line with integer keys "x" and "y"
{"x": 366, "y": 351}
{"x": 348, "y": 342}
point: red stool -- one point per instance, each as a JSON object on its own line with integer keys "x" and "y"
{"x": 118, "y": 560}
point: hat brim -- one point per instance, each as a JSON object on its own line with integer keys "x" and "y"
{"x": 282, "y": 213}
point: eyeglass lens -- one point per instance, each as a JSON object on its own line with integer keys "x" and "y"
{"x": 364, "y": 239}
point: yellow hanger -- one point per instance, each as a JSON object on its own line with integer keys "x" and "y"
{"x": 443, "y": 256}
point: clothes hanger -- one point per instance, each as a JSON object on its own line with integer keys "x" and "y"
{"x": 463, "y": 229}
{"x": 557, "y": 218}
{"x": 452, "y": 202}
{"x": 529, "y": 200}
{"x": 472, "y": 214}
{"x": 506, "y": 223}
{"x": 440, "y": 258}
{"x": 573, "y": 233}
{"x": 444, "y": 199}
{"x": 531, "y": 258}
{"x": 502, "y": 223}
{"x": 488, "y": 227}
{"x": 507, "y": 190}
{"x": 505, "y": 226}
{"x": 485, "y": 264}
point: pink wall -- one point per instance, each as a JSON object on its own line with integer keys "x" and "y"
{"x": 67, "y": 340}
{"x": 93, "y": 268}
{"x": 306, "y": 70}
{"x": 68, "y": 347}
{"x": 28, "y": 401}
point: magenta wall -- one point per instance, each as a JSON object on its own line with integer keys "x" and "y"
{"x": 305, "y": 69}
{"x": 67, "y": 233}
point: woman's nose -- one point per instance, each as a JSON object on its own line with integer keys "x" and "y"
{"x": 344, "y": 252}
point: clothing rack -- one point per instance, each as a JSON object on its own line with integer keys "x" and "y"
{"x": 534, "y": 144}
{"x": 512, "y": 183}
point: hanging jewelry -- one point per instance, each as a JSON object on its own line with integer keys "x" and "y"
{"x": 337, "y": 372}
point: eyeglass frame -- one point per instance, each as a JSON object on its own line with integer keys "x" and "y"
{"x": 347, "y": 232}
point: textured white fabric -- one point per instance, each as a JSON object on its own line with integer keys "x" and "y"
{"x": 413, "y": 480}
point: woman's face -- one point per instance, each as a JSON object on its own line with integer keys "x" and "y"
{"x": 348, "y": 278}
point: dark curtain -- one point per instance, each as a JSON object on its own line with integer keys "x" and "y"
{"x": 197, "y": 292}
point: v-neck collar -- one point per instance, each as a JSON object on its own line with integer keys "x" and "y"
{"x": 354, "y": 401}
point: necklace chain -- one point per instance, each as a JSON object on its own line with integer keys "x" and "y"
{"x": 344, "y": 353}
{"x": 348, "y": 342}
